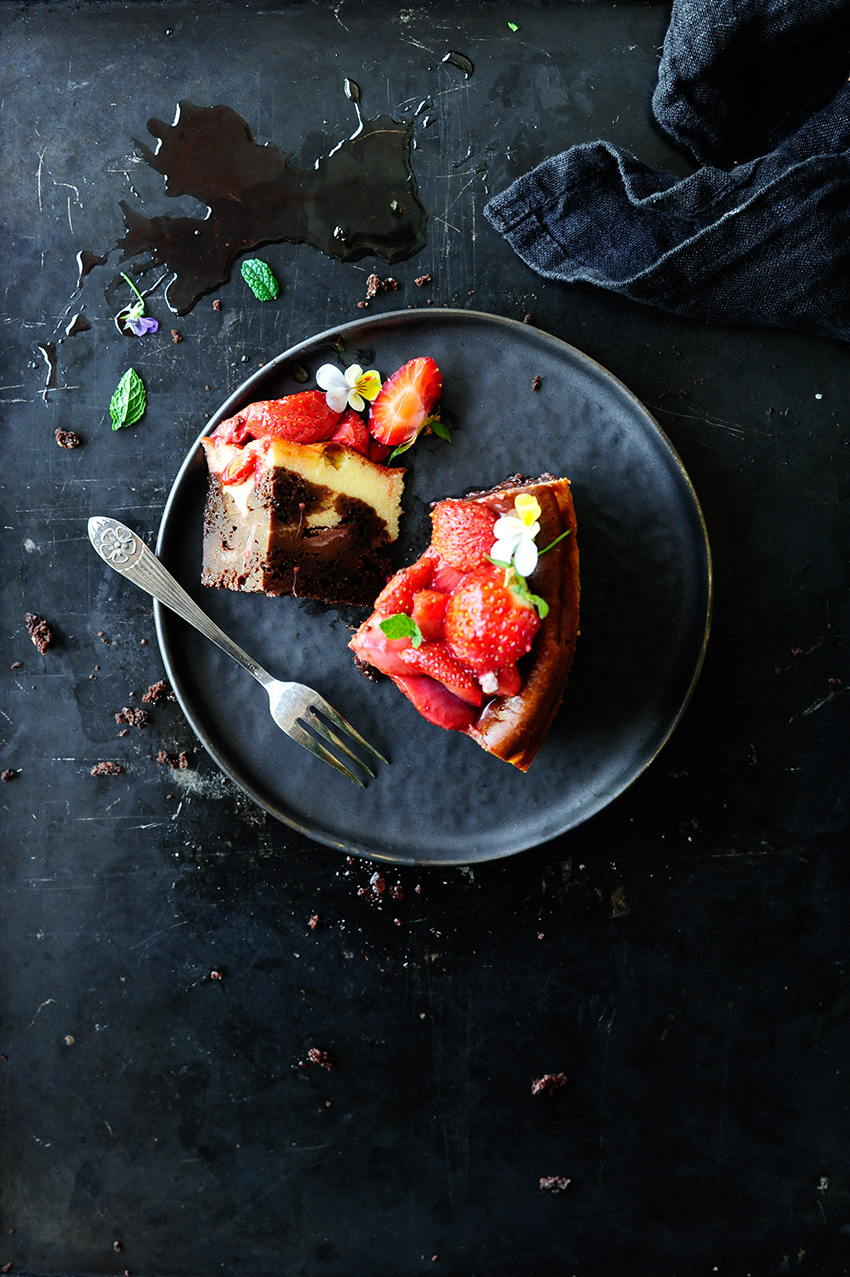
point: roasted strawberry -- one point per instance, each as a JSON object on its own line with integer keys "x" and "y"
{"x": 436, "y": 703}
{"x": 301, "y": 418}
{"x": 405, "y": 402}
{"x": 463, "y": 533}
{"x": 435, "y": 660}
{"x": 397, "y": 594}
{"x": 429, "y": 613}
{"x": 489, "y": 624}
{"x": 238, "y": 470}
{"x": 351, "y": 430}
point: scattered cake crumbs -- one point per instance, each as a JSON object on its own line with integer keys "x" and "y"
{"x": 317, "y": 1056}
{"x": 553, "y": 1183}
{"x": 16, "y": 665}
{"x": 536, "y": 383}
{"x": 175, "y": 336}
{"x": 314, "y": 922}
{"x": 177, "y": 762}
{"x": 106, "y": 769}
{"x": 38, "y": 630}
{"x": 527, "y": 319}
{"x": 548, "y": 1084}
{"x": 67, "y": 439}
{"x": 422, "y": 280}
{"x": 8, "y": 774}
{"x": 374, "y": 285}
{"x": 155, "y": 693}
{"x": 133, "y": 717}
{"x": 216, "y": 306}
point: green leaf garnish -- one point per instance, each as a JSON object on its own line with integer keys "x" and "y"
{"x": 519, "y": 585}
{"x": 128, "y": 402}
{"x": 400, "y": 625}
{"x": 260, "y": 280}
{"x": 437, "y": 428}
{"x": 555, "y": 542}
{"x": 513, "y": 26}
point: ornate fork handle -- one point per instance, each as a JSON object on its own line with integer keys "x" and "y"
{"x": 124, "y": 551}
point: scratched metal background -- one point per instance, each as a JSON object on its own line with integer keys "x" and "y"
{"x": 682, "y": 958}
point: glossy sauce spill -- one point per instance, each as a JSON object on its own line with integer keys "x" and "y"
{"x": 359, "y": 200}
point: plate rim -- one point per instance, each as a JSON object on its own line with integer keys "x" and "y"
{"x": 240, "y": 396}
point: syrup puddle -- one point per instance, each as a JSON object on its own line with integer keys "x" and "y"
{"x": 359, "y": 200}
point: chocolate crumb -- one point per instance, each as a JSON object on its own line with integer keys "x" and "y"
{"x": 217, "y": 973}
{"x": 378, "y": 883}
{"x": 362, "y": 305}
{"x": 133, "y": 717}
{"x": 38, "y": 630}
{"x": 314, "y": 922}
{"x": 835, "y": 682}
{"x": 536, "y": 383}
{"x": 374, "y": 285}
{"x": 178, "y": 763}
{"x": 117, "y": 1246}
{"x": 367, "y": 670}
{"x": 554, "y": 1183}
{"x": 796, "y": 651}
{"x": 16, "y": 665}
{"x": 143, "y": 642}
{"x": 422, "y": 281}
{"x": 397, "y": 891}
{"x": 7, "y": 1268}
{"x": 317, "y": 1056}
{"x": 548, "y": 1084}
{"x": 106, "y": 769}
{"x": 216, "y": 304}
{"x": 68, "y": 439}
{"x": 155, "y": 693}
{"x": 175, "y": 336}
{"x": 125, "y": 732}
{"x": 8, "y": 774}
{"x": 527, "y": 319}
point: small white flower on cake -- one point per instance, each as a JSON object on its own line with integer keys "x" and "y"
{"x": 515, "y": 535}
{"x": 350, "y": 388}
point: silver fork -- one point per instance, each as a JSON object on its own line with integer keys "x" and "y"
{"x": 293, "y": 706}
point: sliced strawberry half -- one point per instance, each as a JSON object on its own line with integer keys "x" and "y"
{"x": 429, "y": 613}
{"x": 405, "y": 402}
{"x": 397, "y": 595}
{"x": 352, "y": 431}
{"x": 436, "y": 703}
{"x": 435, "y": 660}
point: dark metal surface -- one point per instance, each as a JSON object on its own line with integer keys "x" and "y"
{"x": 681, "y": 957}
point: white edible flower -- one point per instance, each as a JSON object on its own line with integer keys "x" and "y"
{"x": 515, "y": 535}
{"x": 350, "y": 388}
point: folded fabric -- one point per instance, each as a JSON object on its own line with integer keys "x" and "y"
{"x": 766, "y": 240}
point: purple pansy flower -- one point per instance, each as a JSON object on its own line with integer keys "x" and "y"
{"x": 134, "y": 317}
{"x": 140, "y": 324}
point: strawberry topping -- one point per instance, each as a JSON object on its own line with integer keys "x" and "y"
{"x": 397, "y": 594}
{"x": 489, "y": 625}
{"x": 352, "y": 432}
{"x": 301, "y": 418}
{"x": 435, "y": 660}
{"x": 429, "y": 613}
{"x": 437, "y": 703}
{"x": 463, "y": 533}
{"x": 405, "y": 402}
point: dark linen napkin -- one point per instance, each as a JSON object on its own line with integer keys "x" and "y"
{"x": 758, "y": 91}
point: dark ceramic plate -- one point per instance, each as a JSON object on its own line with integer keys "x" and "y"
{"x": 646, "y": 600}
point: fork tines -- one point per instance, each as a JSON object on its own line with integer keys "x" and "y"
{"x": 310, "y": 718}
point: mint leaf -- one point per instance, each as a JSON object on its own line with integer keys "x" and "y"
{"x": 513, "y": 26}
{"x": 402, "y": 447}
{"x": 400, "y": 625}
{"x": 260, "y": 280}
{"x": 437, "y": 428}
{"x": 128, "y": 402}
